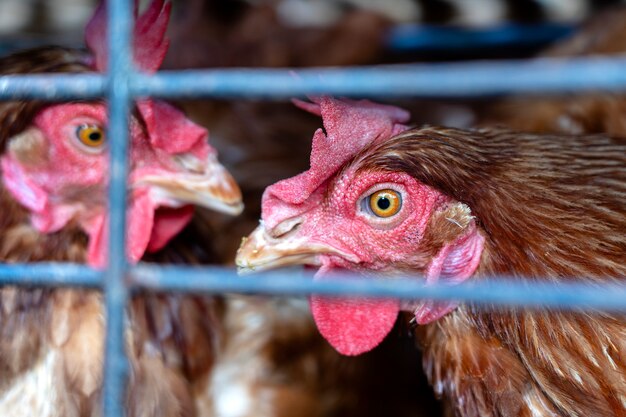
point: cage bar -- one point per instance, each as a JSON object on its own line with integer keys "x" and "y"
{"x": 467, "y": 79}
{"x": 212, "y": 280}
{"x": 442, "y": 80}
{"x": 116, "y": 291}
{"x": 50, "y": 274}
{"x": 503, "y": 291}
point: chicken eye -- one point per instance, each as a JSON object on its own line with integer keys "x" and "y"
{"x": 90, "y": 135}
{"x": 385, "y": 203}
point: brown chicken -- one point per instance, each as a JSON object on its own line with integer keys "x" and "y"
{"x": 53, "y": 198}
{"x": 452, "y": 205}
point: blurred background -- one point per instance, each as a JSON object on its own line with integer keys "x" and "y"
{"x": 31, "y": 22}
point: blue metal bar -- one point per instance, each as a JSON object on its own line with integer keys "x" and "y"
{"x": 498, "y": 290}
{"x": 424, "y": 38}
{"x": 116, "y": 291}
{"x": 50, "y": 274}
{"x": 51, "y": 86}
{"x": 467, "y": 79}
{"x": 505, "y": 291}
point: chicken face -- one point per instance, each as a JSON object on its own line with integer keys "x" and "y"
{"x": 362, "y": 217}
{"x": 368, "y": 221}
{"x": 58, "y": 169}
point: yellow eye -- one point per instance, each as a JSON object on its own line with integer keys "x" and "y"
{"x": 90, "y": 135}
{"x": 385, "y": 203}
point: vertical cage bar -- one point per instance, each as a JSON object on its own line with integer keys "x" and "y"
{"x": 116, "y": 292}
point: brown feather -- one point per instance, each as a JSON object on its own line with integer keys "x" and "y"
{"x": 550, "y": 206}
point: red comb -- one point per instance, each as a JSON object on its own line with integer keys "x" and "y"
{"x": 350, "y": 126}
{"x": 149, "y": 41}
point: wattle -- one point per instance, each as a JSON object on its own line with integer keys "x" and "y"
{"x": 168, "y": 222}
{"x": 149, "y": 229}
{"x": 354, "y": 325}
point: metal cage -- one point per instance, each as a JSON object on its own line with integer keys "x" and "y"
{"x": 121, "y": 84}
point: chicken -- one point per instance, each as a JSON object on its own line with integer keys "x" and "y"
{"x": 54, "y": 208}
{"x": 453, "y": 205}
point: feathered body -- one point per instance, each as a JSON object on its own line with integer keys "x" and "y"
{"x": 273, "y": 362}
{"x": 474, "y": 203}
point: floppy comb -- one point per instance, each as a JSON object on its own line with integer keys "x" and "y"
{"x": 149, "y": 41}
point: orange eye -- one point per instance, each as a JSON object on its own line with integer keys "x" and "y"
{"x": 385, "y": 203}
{"x": 90, "y": 135}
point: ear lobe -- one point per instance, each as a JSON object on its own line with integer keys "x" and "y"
{"x": 457, "y": 261}
{"x": 45, "y": 217}
{"x": 17, "y": 181}
{"x": 457, "y": 244}
{"x": 29, "y": 148}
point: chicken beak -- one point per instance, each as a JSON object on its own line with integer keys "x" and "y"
{"x": 260, "y": 251}
{"x": 203, "y": 183}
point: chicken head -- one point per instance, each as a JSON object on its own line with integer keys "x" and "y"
{"x": 349, "y": 212}
{"x": 58, "y": 167}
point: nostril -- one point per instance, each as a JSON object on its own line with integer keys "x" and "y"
{"x": 191, "y": 163}
{"x": 285, "y": 227}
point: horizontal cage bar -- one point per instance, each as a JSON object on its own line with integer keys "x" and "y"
{"x": 499, "y": 290}
{"x": 571, "y": 294}
{"x": 468, "y": 79}
{"x": 51, "y": 274}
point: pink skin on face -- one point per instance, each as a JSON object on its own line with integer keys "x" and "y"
{"x": 364, "y": 243}
{"x": 71, "y": 183}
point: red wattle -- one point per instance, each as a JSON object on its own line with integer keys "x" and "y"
{"x": 355, "y": 325}
{"x": 140, "y": 225}
{"x": 168, "y": 222}
{"x": 149, "y": 229}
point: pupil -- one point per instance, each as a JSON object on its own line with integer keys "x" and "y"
{"x": 383, "y": 203}
{"x": 94, "y": 136}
